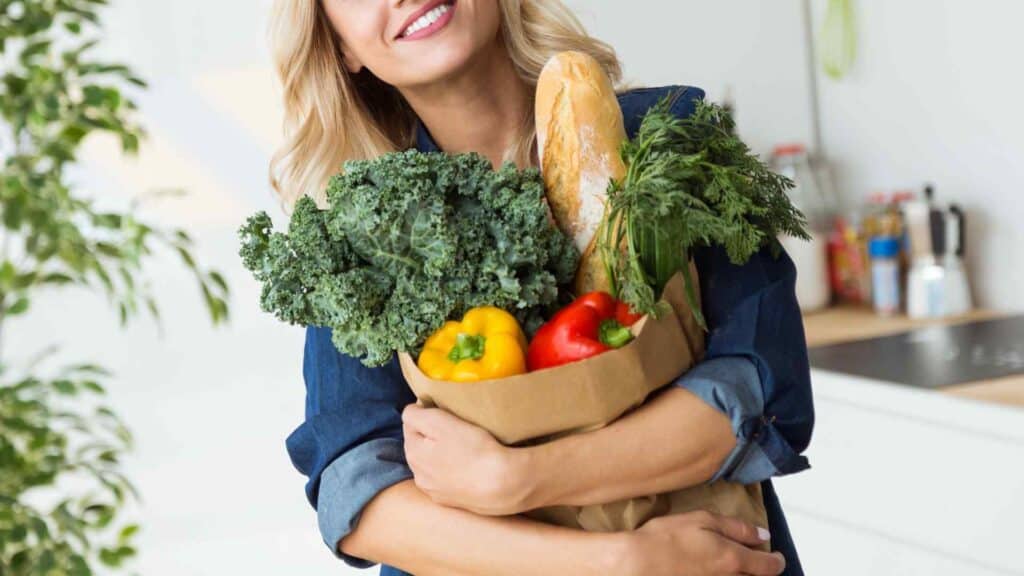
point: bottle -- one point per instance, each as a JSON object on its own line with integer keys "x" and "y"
{"x": 926, "y": 277}
{"x": 885, "y": 274}
{"x": 957, "y": 289}
{"x": 813, "y": 290}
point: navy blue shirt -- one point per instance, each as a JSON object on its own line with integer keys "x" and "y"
{"x": 350, "y": 444}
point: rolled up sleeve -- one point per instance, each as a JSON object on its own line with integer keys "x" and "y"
{"x": 348, "y": 485}
{"x": 350, "y": 445}
{"x": 756, "y": 370}
{"x": 732, "y": 386}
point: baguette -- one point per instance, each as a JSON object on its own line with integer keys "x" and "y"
{"x": 579, "y": 132}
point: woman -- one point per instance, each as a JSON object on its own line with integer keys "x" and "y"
{"x": 421, "y": 490}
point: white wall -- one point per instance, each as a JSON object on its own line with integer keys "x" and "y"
{"x": 936, "y": 97}
{"x": 757, "y": 48}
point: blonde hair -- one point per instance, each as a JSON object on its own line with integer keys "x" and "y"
{"x": 332, "y": 115}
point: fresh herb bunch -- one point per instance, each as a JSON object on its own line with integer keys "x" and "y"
{"x": 410, "y": 240}
{"x": 689, "y": 183}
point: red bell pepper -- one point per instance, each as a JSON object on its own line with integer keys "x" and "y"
{"x": 592, "y": 324}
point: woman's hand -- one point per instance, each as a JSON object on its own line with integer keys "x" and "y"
{"x": 697, "y": 544}
{"x": 458, "y": 464}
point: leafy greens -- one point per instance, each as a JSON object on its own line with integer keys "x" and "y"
{"x": 409, "y": 240}
{"x": 690, "y": 182}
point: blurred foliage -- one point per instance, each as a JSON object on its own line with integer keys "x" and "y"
{"x": 61, "y": 488}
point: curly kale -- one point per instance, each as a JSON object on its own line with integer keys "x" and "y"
{"x": 410, "y": 240}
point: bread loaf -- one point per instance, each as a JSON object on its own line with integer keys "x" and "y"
{"x": 579, "y": 132}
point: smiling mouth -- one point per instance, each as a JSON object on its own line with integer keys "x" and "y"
{"x": 430, "y": 22}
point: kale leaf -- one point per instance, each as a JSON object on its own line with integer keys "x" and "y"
{"x": 410, "y": 240}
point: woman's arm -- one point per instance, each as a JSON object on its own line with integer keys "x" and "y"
{"x": 437, "y": 540}
{"x": 673, "y": 440}
{"x": 743, "y": 414}
{"x": 405, "y": 529}
{"x": 676, "y": 440}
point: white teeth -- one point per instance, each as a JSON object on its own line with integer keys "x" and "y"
{"x": 426, "y": 20}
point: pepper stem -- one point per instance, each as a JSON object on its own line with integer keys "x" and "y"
{"x": 467, "y": 347}
{"x": 614, "y": 334}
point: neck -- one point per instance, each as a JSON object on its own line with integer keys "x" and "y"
{"x": 480, "y": 110}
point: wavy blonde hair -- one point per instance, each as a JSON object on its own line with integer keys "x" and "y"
{"x": 331, "y": 115}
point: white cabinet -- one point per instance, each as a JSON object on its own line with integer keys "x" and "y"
{"x": 908, "y": 482}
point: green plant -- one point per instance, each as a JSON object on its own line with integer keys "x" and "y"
{"x": 690, "y": 183}
{"x": 61, "y": 488}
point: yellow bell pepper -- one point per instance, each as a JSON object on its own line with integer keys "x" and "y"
{"x": 487, "y": 343}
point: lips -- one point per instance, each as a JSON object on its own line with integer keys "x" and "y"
{"x": 418, "y": 14}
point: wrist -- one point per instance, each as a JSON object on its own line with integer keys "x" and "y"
{"x": 618, "y": 554}
{"x": 526, "y": 475}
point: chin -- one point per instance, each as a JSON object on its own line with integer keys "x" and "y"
{"x": 441, "y": 61}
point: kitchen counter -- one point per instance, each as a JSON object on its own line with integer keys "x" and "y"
{"x": 907, "y": 481}
{"x": 848, "y": 323}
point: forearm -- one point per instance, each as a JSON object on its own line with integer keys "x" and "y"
{"x": 674, "y": 441}
{"x": 404, "y": 528}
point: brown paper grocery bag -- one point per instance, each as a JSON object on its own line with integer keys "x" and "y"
{"x": 543, "y": 405}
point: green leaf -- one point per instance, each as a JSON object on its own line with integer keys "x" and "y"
{"x": 151, "y": 305}
{"x": 127, "y": 533}
{"x": 25, "y": 280}
{"x": 7, "y": 275}
{"x": 219, "y": 281}
{"x": 110, "y": 558}
{"x": 13, "y": 212}
{"x": 18, "y": 533}
{"x": 186, "y": 257}
{"x": 57, "y": 278}
{"x": 129, "y": 143}
{"x": 45, "y": 563}
{"x": 108, "y": 220}
{"x": 20, "y": 306}
{"x": 34, "y": 49}
{"x": 88, "y": 368}
{"x": 79, "y": 566}
{"x": 108, "y": 249}
{"x": 19, "y": 562}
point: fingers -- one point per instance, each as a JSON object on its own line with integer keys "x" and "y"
{"x": 740, "y": 531}
{"x": 741, "y": 557}
{"x": 743, "y": 560}
{"x": 738, "y": 560}
{"x": 417, "y": 420}
{"x": 427, "y": 421}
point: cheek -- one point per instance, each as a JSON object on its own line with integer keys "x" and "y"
{"x": 361, "y": 25}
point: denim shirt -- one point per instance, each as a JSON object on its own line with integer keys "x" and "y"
{"x": 755, "y": 371}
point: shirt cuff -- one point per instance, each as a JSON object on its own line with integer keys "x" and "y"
{"x": 348, "y": 485}
{"x": 731, "y": 385}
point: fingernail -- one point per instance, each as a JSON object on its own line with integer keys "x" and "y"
{"x": 763, "y": 534}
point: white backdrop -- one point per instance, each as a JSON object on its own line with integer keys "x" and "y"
{"x": 211, "y": 409}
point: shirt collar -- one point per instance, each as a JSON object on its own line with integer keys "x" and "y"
{"x": 424, "y": 142}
